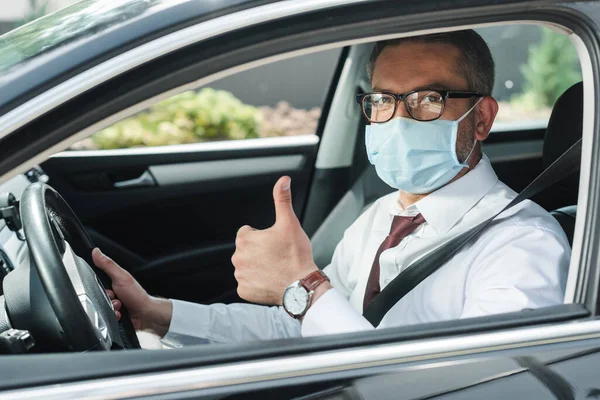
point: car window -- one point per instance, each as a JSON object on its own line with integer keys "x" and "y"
{"x": 534, "y": 66}
{"x": 263, "y": 102}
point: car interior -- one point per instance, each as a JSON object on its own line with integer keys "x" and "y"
{"x": 169, "y": 214}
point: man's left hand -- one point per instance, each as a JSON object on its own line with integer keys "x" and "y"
{"x": 267, "y": 261}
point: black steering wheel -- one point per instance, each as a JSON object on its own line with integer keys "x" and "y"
{"x": 56, "y": 293}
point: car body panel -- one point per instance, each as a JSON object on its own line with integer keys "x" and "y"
{"x": 414, "y": 367}
{"x": 460, "y": 359}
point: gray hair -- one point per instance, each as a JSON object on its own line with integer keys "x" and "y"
{"x": 475, "y": 62}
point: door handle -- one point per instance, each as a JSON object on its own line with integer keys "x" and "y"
{"x": 144, "y": 180}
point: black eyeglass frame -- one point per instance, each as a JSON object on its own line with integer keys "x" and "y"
{"x": 399, "y": 97}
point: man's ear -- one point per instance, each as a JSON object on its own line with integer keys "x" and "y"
{"x": 486, "y": 112}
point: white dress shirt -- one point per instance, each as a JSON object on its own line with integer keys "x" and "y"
{"x": 518, "y": 261}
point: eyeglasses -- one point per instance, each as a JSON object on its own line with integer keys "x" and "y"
{"x": 422, "y": 105}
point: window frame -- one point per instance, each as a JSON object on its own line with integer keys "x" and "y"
{"x": 367, "y": 351}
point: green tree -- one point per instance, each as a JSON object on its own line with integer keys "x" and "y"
{"x": 552, "y": 67}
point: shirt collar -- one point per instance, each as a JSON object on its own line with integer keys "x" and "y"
{"x": 443, "y": 208}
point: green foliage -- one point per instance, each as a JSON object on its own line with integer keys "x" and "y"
{"x": 552, "y": 67}
{"x": 186, "y": 118}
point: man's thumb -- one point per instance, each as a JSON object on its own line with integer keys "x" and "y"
{"x": 282, "y": 196}
{"x": 106, "y": 264}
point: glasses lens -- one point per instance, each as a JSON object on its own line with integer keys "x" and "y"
{"x": 379, "y": 107}
{"x": 425, "y": 105}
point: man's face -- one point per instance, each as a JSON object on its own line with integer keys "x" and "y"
{"x": 411, "y": 66}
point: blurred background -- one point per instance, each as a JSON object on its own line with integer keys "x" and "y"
{"x": 534, "y": 65}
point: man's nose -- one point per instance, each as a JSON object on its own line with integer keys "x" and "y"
{"x": 401, "y": 110}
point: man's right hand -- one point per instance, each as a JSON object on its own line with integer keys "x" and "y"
{"x": 146, "y": 312}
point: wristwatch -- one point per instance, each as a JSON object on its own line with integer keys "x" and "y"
{"x": 297, "y": 296}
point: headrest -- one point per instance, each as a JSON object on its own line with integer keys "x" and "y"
{"x": 565, "y": 125}
{"x": 564, "y": 129}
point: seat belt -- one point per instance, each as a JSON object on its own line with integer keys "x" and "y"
{"x": 415, "y": 273}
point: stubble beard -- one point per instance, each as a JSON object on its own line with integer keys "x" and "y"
{"x": 465, "y": 139}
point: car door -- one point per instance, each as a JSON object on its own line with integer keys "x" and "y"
{"x": 169, "y": 214}
{"x": 323, "y": 367}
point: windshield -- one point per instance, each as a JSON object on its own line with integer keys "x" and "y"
{"x": 66, "y": 26}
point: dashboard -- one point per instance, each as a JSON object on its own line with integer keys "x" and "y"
{"x": 13, "y": 249}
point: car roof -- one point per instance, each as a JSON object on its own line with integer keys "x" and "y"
{"x": 36, "y": 55}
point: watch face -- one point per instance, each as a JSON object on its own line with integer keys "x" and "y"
{"x": 295, "y": 299}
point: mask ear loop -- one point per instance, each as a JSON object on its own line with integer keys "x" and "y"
{"x": 464, "y": 163}
{"x": 470, "y": 109}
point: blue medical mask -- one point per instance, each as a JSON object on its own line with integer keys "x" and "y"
{"x": 414, "y": 156}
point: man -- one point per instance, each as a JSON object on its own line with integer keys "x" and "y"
{"x": 430, "y": 109}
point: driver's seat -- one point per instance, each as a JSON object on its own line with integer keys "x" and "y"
{"x": 564, "y": 129}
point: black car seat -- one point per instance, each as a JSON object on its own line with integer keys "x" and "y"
{"x": 564, "y": 129}
{"x": 366, "y": 189}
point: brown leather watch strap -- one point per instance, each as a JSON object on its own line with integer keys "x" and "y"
{"x": 313, "y": 280}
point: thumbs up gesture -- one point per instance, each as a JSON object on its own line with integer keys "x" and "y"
{"x": 267, "y": 261}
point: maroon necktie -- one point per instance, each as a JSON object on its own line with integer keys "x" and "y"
{"x": 401, "y": 227}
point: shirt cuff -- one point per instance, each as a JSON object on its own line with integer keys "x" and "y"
{"x": 186, "y": 326}
{"x": 331, "y": 314}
